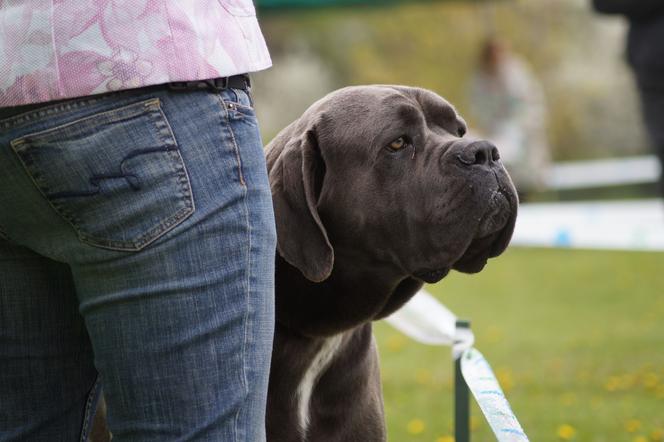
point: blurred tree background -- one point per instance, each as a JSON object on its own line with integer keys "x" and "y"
{"x": 576, "y": 55}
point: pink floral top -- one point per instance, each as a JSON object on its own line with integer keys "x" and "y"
{"x": 55, "y": 49}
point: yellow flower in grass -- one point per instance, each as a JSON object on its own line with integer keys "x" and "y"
{"x": 650, "y": 380}
{"x": 657, "y": 435}
{"x": 659, "y": 391}
{"x": 505, "y": 378}
{"x": 612, "y": 384}
{"x": 396, "y": 343}
{"x": 623, "y": 382}
{"x": 632, "y": 425}
{"x": 415, "y": 426}
{"x": 445, "y": 439}
{"x": 640, "y": 439}
{"x": 566, "y": 432}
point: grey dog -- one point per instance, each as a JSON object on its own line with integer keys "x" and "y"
{"x": 375, "y": 192}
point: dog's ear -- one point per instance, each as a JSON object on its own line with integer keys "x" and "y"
{"x": 295, "y": 177}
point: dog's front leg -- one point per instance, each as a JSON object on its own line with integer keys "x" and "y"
{"x": 347, "y": 402}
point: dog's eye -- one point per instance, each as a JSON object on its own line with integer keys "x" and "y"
{"x": 398, "y": 144}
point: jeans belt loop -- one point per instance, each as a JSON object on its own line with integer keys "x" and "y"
{"x": 218, "y": 84}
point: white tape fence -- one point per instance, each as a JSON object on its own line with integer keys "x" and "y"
{"x": 613, "y": 225}
{"x": 426, "y": 320}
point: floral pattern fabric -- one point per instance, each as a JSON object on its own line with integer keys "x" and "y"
{"x": 56, "y": 49}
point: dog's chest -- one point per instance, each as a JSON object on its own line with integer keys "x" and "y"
{"x": 321, "y": 360}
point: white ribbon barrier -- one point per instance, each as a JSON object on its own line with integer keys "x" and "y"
{"x": 618, "y": 225}
{"x": 603, "y": 172}
{"x": 426, "y": 320}
{"x": 490, "y": 397}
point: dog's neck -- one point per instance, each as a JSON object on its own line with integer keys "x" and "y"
{"x": 348, "y": 298}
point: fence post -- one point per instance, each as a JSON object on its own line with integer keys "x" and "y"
{"x": 461, "y": 395}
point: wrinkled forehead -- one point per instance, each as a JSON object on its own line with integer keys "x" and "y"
{"x": 437, "y": 111}
{"x": 375, "y": 106}
{"x": 433, "y": 105}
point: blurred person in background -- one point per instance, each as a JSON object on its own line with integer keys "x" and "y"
{"x": 137, "y": 233}
{"x": 645, "y": 54}
{"x": 508, "y": 107}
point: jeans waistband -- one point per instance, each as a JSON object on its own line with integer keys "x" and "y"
{"x": 240, "y": 81}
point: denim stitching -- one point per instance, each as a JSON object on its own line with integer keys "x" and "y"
{"x": 166, "y": 138}
{"x": 93, "y": 396}
{"x": 163, "y": 227}
{"x": 27, "y": 160}
{"x": 84, "y": 123}
{"x": 178, "y": 164}
{"x": 235, "y": 147}
{"x": 235, "y": 95}
{"x": 251, "y": 97}
{"x": 238, "y": 99}
{"x": 241, "y": 106}
{"x": 134, "y": 182}
{"x": 247, "y": 296}
{"x": 30, "y": 116}
{"x": 245, "y": 320}
{"x": 243, "y": 378}
{"x": 246, "y": 93}
{"x": 239, "y": 110}
{"x": 69, "y": 104}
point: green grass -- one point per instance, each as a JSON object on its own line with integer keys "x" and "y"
{"x": 575, "y": 337}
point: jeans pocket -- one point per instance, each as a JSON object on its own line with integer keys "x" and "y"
{"x": 117, "y": 176}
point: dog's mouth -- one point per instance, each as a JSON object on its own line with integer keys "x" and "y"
{"x": 432, "y": 276}
{"x": 497, "y": 216}
{"x": 493, "y": 234}
{"x": 478, "y": 253}
{"x": 491, "y": 239}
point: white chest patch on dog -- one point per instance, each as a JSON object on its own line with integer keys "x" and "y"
{"x": 320, "y": 362}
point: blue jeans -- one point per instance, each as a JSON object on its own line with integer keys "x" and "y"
{"x": 137, "y": 247}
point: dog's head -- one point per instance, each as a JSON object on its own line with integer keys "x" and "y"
{"x": 383, "y": 174}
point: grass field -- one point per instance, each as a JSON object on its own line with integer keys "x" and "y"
{"x": 576, "y": 339}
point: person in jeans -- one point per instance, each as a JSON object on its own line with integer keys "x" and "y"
{"x": 137, "y": 234}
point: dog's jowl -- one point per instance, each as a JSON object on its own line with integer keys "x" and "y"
{"x": 376, "y": 191}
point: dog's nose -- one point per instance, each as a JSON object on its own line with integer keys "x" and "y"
{"x": 482, "y": 153}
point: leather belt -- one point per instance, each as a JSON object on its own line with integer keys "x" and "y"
{"x": 234, "y": 82}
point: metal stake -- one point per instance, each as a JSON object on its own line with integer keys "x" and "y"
{"x": 461, "y": 397}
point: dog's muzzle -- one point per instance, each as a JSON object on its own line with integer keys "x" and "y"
{"x": 497, "y": 216}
